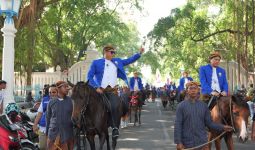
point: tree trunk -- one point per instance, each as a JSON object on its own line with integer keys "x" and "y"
{"x": 246, "y": 42}
{"x": 253, "y": 41}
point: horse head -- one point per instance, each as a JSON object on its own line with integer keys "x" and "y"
{"x": 79, "y": 96}
{"x": 240, "y": 113}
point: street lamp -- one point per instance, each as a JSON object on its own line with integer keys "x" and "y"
{"x": 9, "y": 8}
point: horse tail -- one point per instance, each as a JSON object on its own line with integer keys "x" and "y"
{"x": 124, "y": 104}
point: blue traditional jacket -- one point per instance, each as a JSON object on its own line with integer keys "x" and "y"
{"x": 132, "y": 83}
{"x": 96, "y": 71}
{"x": 182, "y": 81}
{"x": 205, "y": 76}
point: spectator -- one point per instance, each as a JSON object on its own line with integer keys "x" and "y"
{"x": 59, "y": 127}
{"x": 2, "y": 87}
{"x": 41, "y": 117}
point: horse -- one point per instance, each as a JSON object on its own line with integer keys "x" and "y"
{"x": 172, "y": 97}
{"x": 234, "y": 111}
{"x": 147, "y": 94}
{"x": 164, "y": 97}
{"x": 153, "y": 95}
{"x": 90, "y": 115}
{"x": 135, "y": 105}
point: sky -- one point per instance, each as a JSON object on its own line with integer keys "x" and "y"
{"x": 154, "y": 10}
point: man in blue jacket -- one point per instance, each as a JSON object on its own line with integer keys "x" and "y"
{"x": 103, "y": 74}
{"x": 213, "y": 80}
{"x": 136, "y": 83}
{"x": 182, "y": 85}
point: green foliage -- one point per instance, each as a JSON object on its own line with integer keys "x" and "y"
{"x": 65, "y": 29}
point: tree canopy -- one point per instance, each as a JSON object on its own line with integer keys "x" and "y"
{"x": 185, "y": 38}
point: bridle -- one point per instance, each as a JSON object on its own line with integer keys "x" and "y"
{"x": 231, "y": 115}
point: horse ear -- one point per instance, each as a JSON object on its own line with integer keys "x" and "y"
{"x": 70, "y": 84}
{"x": 235, "y": 98}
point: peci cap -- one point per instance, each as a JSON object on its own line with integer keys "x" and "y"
{"x": 214, "y": 54}
{"x": 60, "y": 83}
{"x": 108, "y": 47}
{"x": 192, "y": 83}
{"x": 185, "y": 72}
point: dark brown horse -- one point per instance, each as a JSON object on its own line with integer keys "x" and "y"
{"x": 90, "y": 114}
{"x": 164, "y": 97}
{"x": 172, "y": 98}
{"x": 231, "y": 111}
{"x": 135, "y": 106}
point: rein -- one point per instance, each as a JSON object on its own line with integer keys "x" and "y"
{"x": 84, "y": 108}
{"x": 206, "y": 142}
{"x": 230, "y": 112}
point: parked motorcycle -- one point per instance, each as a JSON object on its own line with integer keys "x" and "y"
{"x": 17, "y": 135}
{"x": 32, "y": 112}
{"x": 27, "y": 128}
{"x": 9, "y": 137}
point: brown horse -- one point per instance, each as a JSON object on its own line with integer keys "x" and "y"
{"x": 172, "y": 98}
{"x": 135, "y": 106}
{"x": 90, "y": 114}
{"x": 231, "y": 111}
{"x": 164, "y": 97}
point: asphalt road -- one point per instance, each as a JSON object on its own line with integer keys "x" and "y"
{"x": 157, "y": 131}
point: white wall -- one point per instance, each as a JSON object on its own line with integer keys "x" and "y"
{"x": 78, "y": 72}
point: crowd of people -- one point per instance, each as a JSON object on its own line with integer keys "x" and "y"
{"x": 53, "y": 121}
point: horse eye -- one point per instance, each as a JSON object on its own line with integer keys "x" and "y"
{"x": 236, "y": 113}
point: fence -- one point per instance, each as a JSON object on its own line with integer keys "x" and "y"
{"x": 74, "y": 74}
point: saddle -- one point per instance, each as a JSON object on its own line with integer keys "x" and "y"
{"x": 109, "y": 89}
{"x": 134, "y": 100}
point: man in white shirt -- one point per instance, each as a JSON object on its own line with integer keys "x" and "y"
{"x": 104, "y": 72}
{"x": 136, "y": 83}
{"x": 2, "y": 87}
{"x": 213, "y": 79}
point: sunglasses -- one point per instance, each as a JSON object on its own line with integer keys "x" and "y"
{"x": 192, "y": 87}
{"x": 112, "y": 52}
{"x": 53, "y": 92}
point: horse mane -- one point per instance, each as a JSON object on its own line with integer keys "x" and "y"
{"x": 240, "y": 101}
{"x": 88, "y": 88}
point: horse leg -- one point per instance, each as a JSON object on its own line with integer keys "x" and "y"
{"x": 229, "y": 141}
{"x": 135, "y": 116}
{"x": 107, "y": 139}
{"x": 91, "y": 141}
{"x": 139, "y": 115}
{"x": 78, "y": 138}
{"x": 218, "y": 144}
{"x": 102, "y": 138}
{"x": 130, "y": 113}
{"x": 114, "y": 142}
{"x": 210, "y": 137}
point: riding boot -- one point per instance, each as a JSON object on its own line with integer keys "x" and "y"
{"x": 212, "y": 102}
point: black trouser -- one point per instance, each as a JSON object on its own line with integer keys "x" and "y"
{"x": 114, "y": 109}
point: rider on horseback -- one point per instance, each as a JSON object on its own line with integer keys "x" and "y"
{"x": 213, "y": 80}
{"x": 182, "y": 85}
{"x": 136, "y": 82}
{"x": 104, "y": 73}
